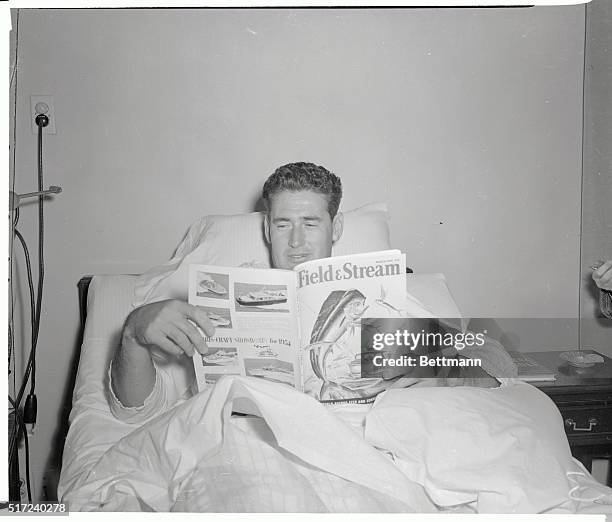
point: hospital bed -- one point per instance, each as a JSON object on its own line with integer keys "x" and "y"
{"x": 456, "y": 450}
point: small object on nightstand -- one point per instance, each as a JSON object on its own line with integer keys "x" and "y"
{"x": 581, "y": 359}
{"x": 529, "y": 370}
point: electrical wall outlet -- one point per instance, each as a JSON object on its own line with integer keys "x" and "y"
{"x": 42, "y": 104}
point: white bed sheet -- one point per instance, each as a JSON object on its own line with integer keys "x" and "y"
{"x": 94, "y": 437}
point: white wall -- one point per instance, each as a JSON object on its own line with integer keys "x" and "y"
{"x": 467, "y": 122}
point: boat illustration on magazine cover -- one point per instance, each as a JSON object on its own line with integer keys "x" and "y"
{"x": 262, "y": 298}
{"x": 210, "y": 285}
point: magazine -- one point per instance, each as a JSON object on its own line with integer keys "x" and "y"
{"x": 299, "y": 327}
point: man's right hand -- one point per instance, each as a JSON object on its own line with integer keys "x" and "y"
{"x": 170, "y": 325}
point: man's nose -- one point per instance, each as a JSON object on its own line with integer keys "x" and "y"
{"x": 297, "y": 237}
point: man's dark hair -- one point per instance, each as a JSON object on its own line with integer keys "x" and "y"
{"x": 295, "y": 177}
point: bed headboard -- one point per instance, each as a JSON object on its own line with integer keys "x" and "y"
{"x": 83, "y": 289}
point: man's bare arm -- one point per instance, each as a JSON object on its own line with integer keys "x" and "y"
{"x": 132, "y": 374}
{"x": 171, "y": 328}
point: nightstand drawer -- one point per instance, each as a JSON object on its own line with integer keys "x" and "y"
{"x": 584, "y": 399}
{"x": 586, "y": 420}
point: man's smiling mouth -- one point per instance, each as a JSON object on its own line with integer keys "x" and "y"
{"x": 298, "y": 257}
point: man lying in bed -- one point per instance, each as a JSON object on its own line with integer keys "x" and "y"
{"x": 301, "y": 224}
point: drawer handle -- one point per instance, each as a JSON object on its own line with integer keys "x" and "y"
{"x": 570, "y": 423}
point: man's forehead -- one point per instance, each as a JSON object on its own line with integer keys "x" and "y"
{"x": 300, "y": 202}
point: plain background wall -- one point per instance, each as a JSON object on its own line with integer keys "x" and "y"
{"x": 468, "y": 123}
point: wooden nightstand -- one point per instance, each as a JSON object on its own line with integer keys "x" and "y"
{"x": 584, "y": 398}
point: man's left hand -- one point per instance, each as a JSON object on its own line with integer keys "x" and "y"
{"x": 603, "y": 276}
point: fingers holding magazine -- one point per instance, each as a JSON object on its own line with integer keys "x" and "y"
{"x": 172, "y": 326}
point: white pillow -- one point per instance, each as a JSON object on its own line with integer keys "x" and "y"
{"x": 503, "y": 448}
{"x": 239, "y": 239}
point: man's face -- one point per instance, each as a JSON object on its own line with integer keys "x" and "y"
{"x": 299, "y": 228}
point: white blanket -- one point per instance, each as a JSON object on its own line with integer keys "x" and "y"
{"x": 296, "y": 456}
{"x": 195, "y": 458}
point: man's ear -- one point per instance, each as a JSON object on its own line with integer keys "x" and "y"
{"x": 337, "y": 227}
{"x": 267, "y": 227}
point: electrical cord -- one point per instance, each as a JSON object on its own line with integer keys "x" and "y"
{"x": 30, "y": 408}
{"x": 11, "y": 362}
{"x": 16, "y": 403}
{"x": 30, "y": 413}
{"x": 41, "y": 261}
{"x": 14, "y": 436}
{"x": 22, "y": 426}
{"x": 29, "y": 272}
{"x": 16, "y": 430}
{"x": 32, "y": 315}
